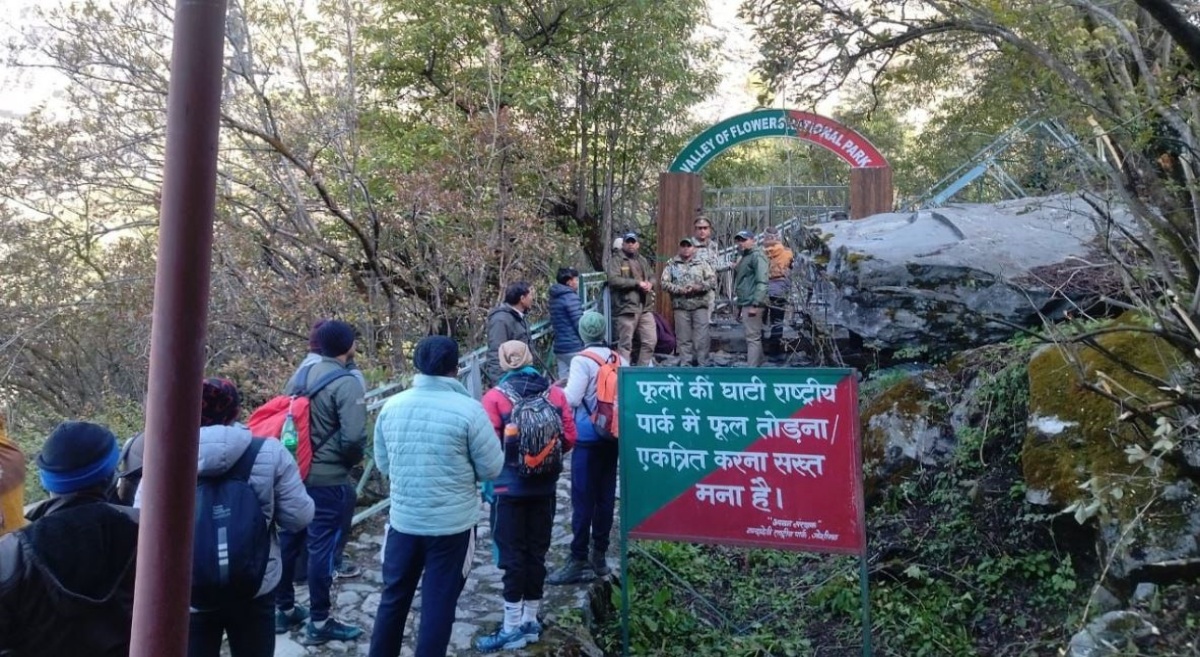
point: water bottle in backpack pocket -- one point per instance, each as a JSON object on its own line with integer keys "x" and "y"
{"x": 533, "y": 435}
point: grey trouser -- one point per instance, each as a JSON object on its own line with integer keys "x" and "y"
{"x": 754, "y": 328}
{"x": 643, "y": 323}
{"x": 691, "y": 336}
{"x": 564, "y": 363}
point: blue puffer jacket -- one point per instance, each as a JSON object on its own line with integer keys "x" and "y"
{"x": 565, "y": 311}
{"x": 435, "y": 443}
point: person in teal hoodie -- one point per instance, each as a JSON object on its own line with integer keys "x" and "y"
{"x": 435, "y": 444}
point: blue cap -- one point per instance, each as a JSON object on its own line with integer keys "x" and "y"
{"x": 630, "y": 237}
{"x": 743, "y": 235}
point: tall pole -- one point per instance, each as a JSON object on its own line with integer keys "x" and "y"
{"x": 168, "y": 488}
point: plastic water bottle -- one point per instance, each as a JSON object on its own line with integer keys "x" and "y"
{"x": 288, "y": 435}
{"x": 512, "y": 442}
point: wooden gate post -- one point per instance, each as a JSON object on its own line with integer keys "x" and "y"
{"x": 870, "y": 191}
{"x": 680, "y": 195}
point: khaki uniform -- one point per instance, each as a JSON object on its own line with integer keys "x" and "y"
{"x": 691, "y": 284}
{"x": 633, "y": 307}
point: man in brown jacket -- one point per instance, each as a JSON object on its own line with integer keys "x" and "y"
{"x": 629, "y": 280}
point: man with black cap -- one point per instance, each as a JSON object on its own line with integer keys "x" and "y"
{"x": 750, "y": 293}
{"x": 338, "y": 428}
{"x": 66, "y": 580}
{"x": 691, "y": 282}
{"x": 435, "y": 444}
{"x": 629, "y": 279}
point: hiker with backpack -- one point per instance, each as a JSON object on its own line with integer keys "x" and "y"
{"x": 333, "y": 444}
{"x": 434, "y": 444}
{"x": 535, "y": 426}
{"x": 66, "y": 579}
{"x": 591, "y": 393}
{"x": 245, "y": 486}
{"x": 343, "y": 568}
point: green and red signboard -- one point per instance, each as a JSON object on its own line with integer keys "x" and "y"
{"x": 739, "y": 456}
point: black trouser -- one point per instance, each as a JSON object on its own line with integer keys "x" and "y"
{"x": 522, "y": 532}
{"x": 776, "y": 307}
{"x": 250, "y": 625}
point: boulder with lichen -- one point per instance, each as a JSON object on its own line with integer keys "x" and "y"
{"x": 1079, "y": 442}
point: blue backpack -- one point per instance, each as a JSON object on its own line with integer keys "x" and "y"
{"x": 232, "y": 541}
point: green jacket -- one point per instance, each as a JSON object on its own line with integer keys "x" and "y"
{"x": 689, "y": 282}
{"x": 624, "y": 274}
{"x": 338, "y": 423}
{"x": 750, "y": 278}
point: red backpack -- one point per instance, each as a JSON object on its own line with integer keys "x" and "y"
{"x": 268, "y": 420}
{"x": 604, "y": 416}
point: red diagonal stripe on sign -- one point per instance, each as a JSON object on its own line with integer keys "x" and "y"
{"x": 779, "y": 506}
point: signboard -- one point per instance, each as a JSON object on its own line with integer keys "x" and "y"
{"x": 742, "y": 456}
{"x": 855, "y": 149}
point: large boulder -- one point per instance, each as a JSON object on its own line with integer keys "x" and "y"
{"x": 960, "y": 276}
{"x": 1076, "y": 451}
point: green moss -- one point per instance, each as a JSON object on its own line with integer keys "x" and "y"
{"x": 907, "y": 400}
{"x": 1092, "y": 443}
{"x": 853, "y": 259}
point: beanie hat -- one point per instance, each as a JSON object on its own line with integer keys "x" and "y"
{"x": 220, "y": 402}
{"x": 313, "y": 345}
{"x": 436, "y": 355}
{"x": 78, "y": 456}
{"x": 514, "y": 355}
{"x": 592, "y": 326}
{"x": 334, "y": 338}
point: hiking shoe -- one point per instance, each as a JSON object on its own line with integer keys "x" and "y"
{"x": 599, "y": 564}
{"x": 286, "y": 620}
{"x": 334, "y": 630}
{"x": 347, "y": 570}
{"x": 532, "y": 631}
{"x": 574, "y": 572}
{"x": 501, "y": 640}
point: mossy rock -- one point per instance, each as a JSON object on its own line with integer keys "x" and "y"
{"x": 904, "y": 425}
{"x": 1074, "y": 433}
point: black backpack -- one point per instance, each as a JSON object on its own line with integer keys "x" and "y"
{"x": 232, "y": 541}
{"x": 539, "y": 434}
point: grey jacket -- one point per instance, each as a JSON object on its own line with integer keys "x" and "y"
{"x": 274, "y": 478}
{"x": 504, "y": 323}
{"x": 338, "y": 417}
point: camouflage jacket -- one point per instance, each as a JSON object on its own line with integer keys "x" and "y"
{"x": 710, "y": 252}
{"x": 689, "y": 282}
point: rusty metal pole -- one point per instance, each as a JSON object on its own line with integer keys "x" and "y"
{"x": 181, "y": 287}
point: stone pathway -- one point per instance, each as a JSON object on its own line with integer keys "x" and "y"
{"x": 479, "y": 607}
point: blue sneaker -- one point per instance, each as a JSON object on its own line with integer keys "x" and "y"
{"x": 332, "y": 630}
{"x": 532, "y": 631}
{"x": 501, "y": 640}
{"x": 286, "y": 620}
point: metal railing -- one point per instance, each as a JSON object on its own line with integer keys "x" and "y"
{"x": 593, "y": 295}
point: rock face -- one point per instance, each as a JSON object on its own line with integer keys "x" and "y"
{"x": 1114, "y": 633}
{"x": 1148, "y": 511}
{"x": 960, "y": 276}
{"x": 903, "y": 426}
